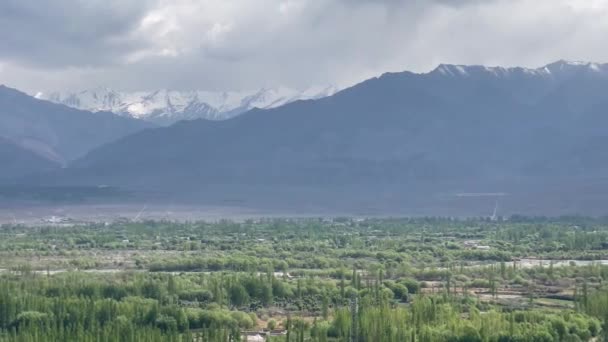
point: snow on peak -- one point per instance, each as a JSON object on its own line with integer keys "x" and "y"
{"x": 452, "y": 70}
{"x": 559, "y": 68}
{"x": 165, "y": 106}
{"x": 564, "y": 66}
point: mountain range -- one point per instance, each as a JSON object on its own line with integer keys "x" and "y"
{"x": 402, "y": 140}
{"x": 55, "y": 132}
{"x": 454, "y": 129}
{"x": 165, "y": 107}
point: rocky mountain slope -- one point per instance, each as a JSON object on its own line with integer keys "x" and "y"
{"x": 57, "y": 132}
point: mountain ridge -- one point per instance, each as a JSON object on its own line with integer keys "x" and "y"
{"x": 57, "y": 132}
{"x": 549, "y": 69}
{"x": 407, "y": 81}
{"x": 166, "y": 107}
{"x": 402, "y": 137}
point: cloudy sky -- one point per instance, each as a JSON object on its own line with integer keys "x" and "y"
{"x": 247, "y": 44}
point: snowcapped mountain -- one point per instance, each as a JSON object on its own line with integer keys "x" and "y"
{"x": 401, "y": 139}
{"x": 165, "y": 107}
{"x": 526, "y": 85}
{"x": 559, "y": 69}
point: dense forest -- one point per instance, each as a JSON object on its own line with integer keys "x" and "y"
{"x": 342, "y": 279}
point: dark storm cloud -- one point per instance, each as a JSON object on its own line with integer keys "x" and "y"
{"x": 237, "y": 44}
{"x": 68, "y": 32}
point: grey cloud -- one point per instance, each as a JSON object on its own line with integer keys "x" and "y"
{"x": 421, "y": 3}
{"x": 238, "y": 44}
{"x": 68, "y": 32}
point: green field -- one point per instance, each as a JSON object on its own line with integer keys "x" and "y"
{"x": 425, "y": 279}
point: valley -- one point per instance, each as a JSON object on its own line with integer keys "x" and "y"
{"x": 307, "y": 278}
{"x": 303, "y": 171}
